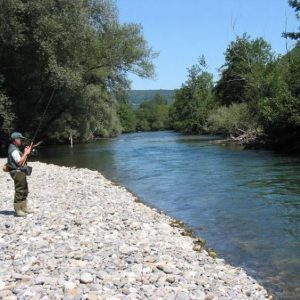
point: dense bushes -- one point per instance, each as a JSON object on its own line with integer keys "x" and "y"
{"x": 234, "y": 119}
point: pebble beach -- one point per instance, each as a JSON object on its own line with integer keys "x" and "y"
{"x": 92, "y": 239}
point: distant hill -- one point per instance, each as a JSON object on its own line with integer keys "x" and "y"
{"x": 136, "y": 97}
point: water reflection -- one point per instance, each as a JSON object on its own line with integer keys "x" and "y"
{"x": 248, "y": 201}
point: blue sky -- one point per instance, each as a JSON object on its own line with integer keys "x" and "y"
{"x": 182, "y": 30}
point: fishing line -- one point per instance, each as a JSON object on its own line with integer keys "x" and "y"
{"x": 43, "y": 116}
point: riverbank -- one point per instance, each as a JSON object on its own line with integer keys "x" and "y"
{"x": 91, "y": 239}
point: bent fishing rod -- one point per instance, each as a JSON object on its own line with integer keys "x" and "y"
{"x": 32, "y": 145}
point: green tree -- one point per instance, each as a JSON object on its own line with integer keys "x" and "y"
{"x": 243, "y": 73}
{"x": 295, "y": 4}
{"x": 153, "y": 114}
{"x": 6, "y": 114}
{"x": 127, "y": 117}
{"x": 279, "y": 111}
{"x": 76, "y": 50}
{"x": 193, "y": 101}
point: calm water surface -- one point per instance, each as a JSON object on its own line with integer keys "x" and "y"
{"x": 245, "y": 203}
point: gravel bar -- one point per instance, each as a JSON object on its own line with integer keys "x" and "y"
{"x": 91, "y": 239}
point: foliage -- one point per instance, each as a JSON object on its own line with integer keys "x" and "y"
{"x": 137, "y": 97}
{"x": 234, "y": 120}
{"x": 6, "y": 114}
{"x": 295, "y": 4}
{"x": 127, "y": 117}
{"x": 244, "y": 71}
{"x": 193, "y": 101}
{"x": 280, "y": 111}
{"x": 258, "y": 93}
{"x": 153, "y": 114}
{"x": 77, "y": 50}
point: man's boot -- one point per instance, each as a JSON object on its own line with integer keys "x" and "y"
{"x": 25, "y": 208}
{"x": 18, "y": 210}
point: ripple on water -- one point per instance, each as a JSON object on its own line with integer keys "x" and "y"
{"x": 248, "y": 201}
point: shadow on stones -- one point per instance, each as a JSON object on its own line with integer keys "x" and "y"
{"x": 7, "y": 212}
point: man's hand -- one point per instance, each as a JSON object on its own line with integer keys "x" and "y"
{"x": 28, "y": 149}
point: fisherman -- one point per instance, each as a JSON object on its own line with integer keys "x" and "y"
{"x": 18, "y": 170}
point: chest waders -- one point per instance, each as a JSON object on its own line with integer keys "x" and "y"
{"x": 21, "y": 186}
{"x": 19, "y": 173}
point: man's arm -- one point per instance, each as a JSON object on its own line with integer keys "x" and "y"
{"x": 21, "y": 160}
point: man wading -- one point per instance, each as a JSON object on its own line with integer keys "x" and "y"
{"x": 18, "y": 170}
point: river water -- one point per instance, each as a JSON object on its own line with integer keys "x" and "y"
{"x": 246, "y": 204}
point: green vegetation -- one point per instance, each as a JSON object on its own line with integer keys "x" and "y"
{"x": 151, "y": 115}
{"x": 193, "y": 101}
{"x": 137, "y": 97}
{"x": 258, "y": 93}
{"x": 127, "y": 117}
{"x": 77, "y": 51}
{"x": 233, "y": 120}
{"x": 256, "y": 99}
{"x": 295, "y": 4}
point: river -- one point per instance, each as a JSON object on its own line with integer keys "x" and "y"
{"x": 246, "y": 204}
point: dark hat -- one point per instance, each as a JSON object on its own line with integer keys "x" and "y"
{"x": 17, "y": 135}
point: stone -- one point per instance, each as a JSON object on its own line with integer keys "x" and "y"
{"x": 86, "y": 277}
{"x": 150, "y": 259}
{"x": 212, "y": 254}
{"x": 2, "y": 285}
{"x": 5, "y": 293}
{"x": 168, "y": 269}
{"x": 170, "y": 279}
{"x": 68, "y": 285}
{"x": 11, "y": 297}
{"x": 39, "y": 280}
{"x": 91, "y": 296}
{"x": 182, "y": 296}
{"x": 199, "y": 295}
{"x": 73, "y": 294}
{"x": 197, "y": 248}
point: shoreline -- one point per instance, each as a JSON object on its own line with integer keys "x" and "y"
{"x": 91, "y": 238}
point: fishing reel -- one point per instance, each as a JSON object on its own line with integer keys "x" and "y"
{"x": 34, "y": 151}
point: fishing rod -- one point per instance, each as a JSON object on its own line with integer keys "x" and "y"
{"x": 32, "y": 145}
{"x": 43, "y": 116}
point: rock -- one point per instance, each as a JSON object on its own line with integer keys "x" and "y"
{"x": 11, "y": 297}
{"x": 91, "y": 296}
{"x": 170, "y": 279}
{"x": 39, "y": 280}
{"x": 182, "y": 296}
{"x": 73, "y": 294}
{"x": 199, "y": 241}
{"x": 197, "y": 248}
{"x": 199, "y": 295}
{"x": 86, "y": 277}
{"x": 168, "y": 269}
{"x": 150, "y": 259}
{"x": 2, "y": 285}
{"x": 5, "y": 293}
{"x": 69, "y": 285}
{"x": 212, "y": 254}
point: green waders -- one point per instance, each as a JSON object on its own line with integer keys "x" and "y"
{"x": 21, "y": 192}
